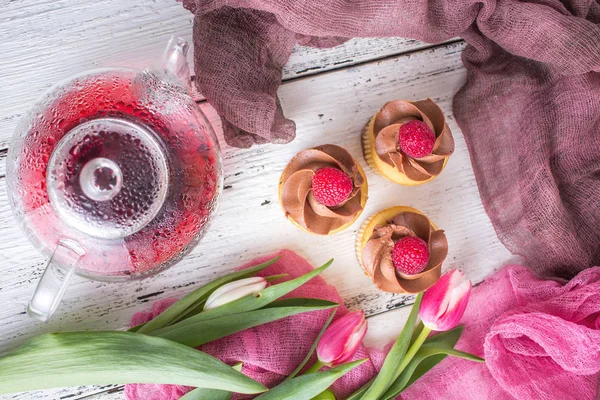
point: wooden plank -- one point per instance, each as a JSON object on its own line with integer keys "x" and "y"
{"x": 306, "y": 61}
{"x": 46, "y": 41}
{"x": 328, "y": 108}
{"x": 3, "y": 153}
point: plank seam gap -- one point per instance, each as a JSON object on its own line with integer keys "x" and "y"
{"x": 4, "y": 150}
{"x": 342, "y": 67}
{"x": 117, "y": 389}
{"x": 361, "y": 63}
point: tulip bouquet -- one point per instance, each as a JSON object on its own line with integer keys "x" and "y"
{"x": 163, "y": 349}
{"x": 415, "y": 352}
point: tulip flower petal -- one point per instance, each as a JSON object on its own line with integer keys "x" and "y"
{"x": 435, "y": 299}
{"x": 352, "y": 345}
{"x": 445, "y": 302}
{"x": 328, "y": 354}
{"x": 459, "y": 298}
{"x": 333, "y": 342}
{"x": 236, "y": 284}
{"x": 342, "y": 338}
{"x": 458, "y": 295}
{"x": 235, "y": 290}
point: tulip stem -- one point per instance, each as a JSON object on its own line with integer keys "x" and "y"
{"x": 413, "y": 349}
{"x": 315, "y": 367}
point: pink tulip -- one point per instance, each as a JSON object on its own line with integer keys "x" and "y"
{"x": 444, "y": 304}
{"x": 340, "y": 341}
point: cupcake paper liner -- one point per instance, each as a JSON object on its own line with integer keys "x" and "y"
{"x": 367, "y": 149}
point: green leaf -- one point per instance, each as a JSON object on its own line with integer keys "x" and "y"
{"x": 434, "y": 350}
{"x": 305, "y": 387}
{"x": 416, "y": 332}
{"x": 457, "y": 353}
{"x": 325, "y": 395}
{"x": 210, "y": 394}
{"x": 201, "y": 332}
{"x": 275, "y": 277}
{"x": 446, "y": 339}
{"x": 389, "y": 370}
{"x": 206, "y": 394}
{"x": 358, "y": 393}
{"x": 301, "y": 302}
{"x": 422, "y": 368}
{"x": 312, "y": 348}
{"x": 114, "y": 357}
{"x": 410, "y": 373}
{"x": 189, "y": 302}
{"x": 245, "y": 304}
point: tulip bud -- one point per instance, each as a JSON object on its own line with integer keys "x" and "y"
{"x": 235, "y": 290}
{"x": 341, "y": 339}
{"x": 444, "y": 304}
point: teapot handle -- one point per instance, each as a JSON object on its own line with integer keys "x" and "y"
{"x": 175, "y": 63}
{"x": 55, "y": 279}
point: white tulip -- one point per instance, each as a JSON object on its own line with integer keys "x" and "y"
{"x": 235, "y": 290}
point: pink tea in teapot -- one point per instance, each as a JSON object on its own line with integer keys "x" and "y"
{"x": 123, "y": 163}
{"x": 114, "y": 175}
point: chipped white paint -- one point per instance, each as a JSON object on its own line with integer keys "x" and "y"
{"x": 327, "y": 108}
{"x": 45, "y": 41}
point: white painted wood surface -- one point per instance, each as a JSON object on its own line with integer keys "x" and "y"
{"x": 45, "y": 41}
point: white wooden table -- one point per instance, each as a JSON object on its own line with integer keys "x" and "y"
{"x": 329, "y": 93}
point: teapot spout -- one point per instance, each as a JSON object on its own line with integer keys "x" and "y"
{"x": 175, "y": 63}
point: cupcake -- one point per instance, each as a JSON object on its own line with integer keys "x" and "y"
{"x": 401, "y": 250}
{"x": 408, "y": 142}
{"x": 323, "y": 190}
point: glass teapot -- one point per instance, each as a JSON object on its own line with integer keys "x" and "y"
{"x": 114, "y": 175}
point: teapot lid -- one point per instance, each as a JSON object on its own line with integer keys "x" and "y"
{"x": 108, "y": 177}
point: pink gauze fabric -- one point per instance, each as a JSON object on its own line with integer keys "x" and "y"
{"x": 272, "y": 351}
{"x": 529, "y": 111}
{"x": 540, "y": 339}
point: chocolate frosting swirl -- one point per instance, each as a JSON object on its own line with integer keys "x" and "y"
{"x": 387, "y": 124}
{"x": 377, "y": 253}
{"x": 298, "y": 200}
